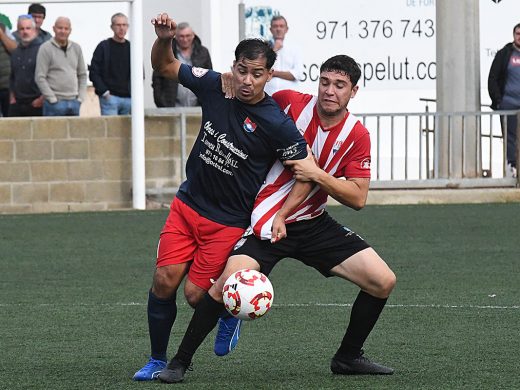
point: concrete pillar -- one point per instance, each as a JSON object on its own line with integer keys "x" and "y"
{"x": 458, "y": 88}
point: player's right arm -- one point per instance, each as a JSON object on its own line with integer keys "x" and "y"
{"x": 299, "y": 192}
{"x": 163, "y": 59}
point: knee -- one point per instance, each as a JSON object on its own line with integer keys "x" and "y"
{"x": 164, "y": 283}
{"x": 386, "y": 284}
{"x": 216, "y": 291}
{"x": 193, "y": 294}
{"x": 192, "y": 299}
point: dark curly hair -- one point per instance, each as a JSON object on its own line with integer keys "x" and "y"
{"x": 343, "y": 64}
{"x": 253, "y": 49}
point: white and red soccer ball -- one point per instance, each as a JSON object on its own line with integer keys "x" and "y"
{"x": 248, "y": 294}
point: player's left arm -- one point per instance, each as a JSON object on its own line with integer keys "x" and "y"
{"x": 351, "y": 192}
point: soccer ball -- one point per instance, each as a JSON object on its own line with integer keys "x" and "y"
{"x": 248, "y": 294}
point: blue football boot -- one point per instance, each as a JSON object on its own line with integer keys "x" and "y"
{"x": 227, "y": 335}
{"x": 150, "y": 371}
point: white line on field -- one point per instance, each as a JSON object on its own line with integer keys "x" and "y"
{"x": 310, "y": 304}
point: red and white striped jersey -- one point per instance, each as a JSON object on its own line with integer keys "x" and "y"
{"x": 342, "y": 151}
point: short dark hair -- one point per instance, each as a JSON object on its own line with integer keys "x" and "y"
{"x": 514, "y": 28}
{"x": 278, "y": 17}
{"x": 117, "y": 15}
{"x": 36, "y": 8}
{"x": 255, "y": 48}
{"x": 343, "y": 64}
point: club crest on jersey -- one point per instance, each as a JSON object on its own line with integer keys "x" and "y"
{"x": 336, "y": 146}
{"x": 365, "y": 164}
{"x": 198, "y": 72}
{"x": 249, "y": 125}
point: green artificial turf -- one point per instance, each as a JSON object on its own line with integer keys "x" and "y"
{"x": 73, "y": 291}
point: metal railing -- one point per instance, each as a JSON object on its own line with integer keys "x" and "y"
{"x": 436, "y": 150}
{"x": 421, "y": 150}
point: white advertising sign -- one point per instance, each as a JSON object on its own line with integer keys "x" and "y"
{"x": 392, "y": 40}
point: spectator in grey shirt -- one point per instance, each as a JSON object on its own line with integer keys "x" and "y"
{"x": 61, "y": 74}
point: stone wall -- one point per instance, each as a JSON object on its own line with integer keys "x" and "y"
{"x": 78, "y": 164}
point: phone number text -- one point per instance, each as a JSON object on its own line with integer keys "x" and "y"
{"x": 373, "y": 29}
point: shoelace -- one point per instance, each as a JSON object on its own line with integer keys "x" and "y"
{"x": 153, "y": 362}
{"x": 227, "y": 332}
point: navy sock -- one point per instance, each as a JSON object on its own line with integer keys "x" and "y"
{"x": 202, "y": 322}
{"x": 364, "y": 315}
{"x": 224, "y": 313}
{"x": 161, "y": 316}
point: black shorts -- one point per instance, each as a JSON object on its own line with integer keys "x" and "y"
{"x": 321, "y": 243}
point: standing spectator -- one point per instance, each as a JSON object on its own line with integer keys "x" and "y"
{"x": 37, "y": 11}
{"x": 504, "y": 90}
{"x": 110, "y": 70}
{"x": 188, "y": 49}
{"x": 60, "y": 72}
{"x": 7, "y": 45}
{"x": 25, "y": 97}
{"x": 288, "y": 67}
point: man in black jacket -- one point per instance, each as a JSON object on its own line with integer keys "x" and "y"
{"x": 25, "y": 96}
{"x": 188, "y": 49}
{"x": 504, "y": 90}
{"x": 110, "y": 70}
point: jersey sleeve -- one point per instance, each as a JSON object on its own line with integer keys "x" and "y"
{"x": 199, "y": 80}
{"x": 288, "y": 142}
{"x": 356, "y": 162}
{"x": 292, "y": 145}
{"x": 286, "y": 97}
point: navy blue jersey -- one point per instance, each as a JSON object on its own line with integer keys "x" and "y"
{"x": 236, "y": 145}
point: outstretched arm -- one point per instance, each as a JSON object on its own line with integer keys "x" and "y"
{"x": 162, "y": 56}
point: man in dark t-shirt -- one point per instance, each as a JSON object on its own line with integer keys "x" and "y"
{"x": 110, "y": 70}
{"x": 237, "y": 143}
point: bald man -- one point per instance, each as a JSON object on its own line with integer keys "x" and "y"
{"x": 61, "y": 74}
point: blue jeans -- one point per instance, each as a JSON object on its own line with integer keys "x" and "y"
{"x": 61, "y": 108}
{"x": 115, "y": 105}
{"x": 511, "y": 132}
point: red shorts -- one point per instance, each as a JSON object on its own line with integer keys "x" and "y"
{"x": 188, "y": 236}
